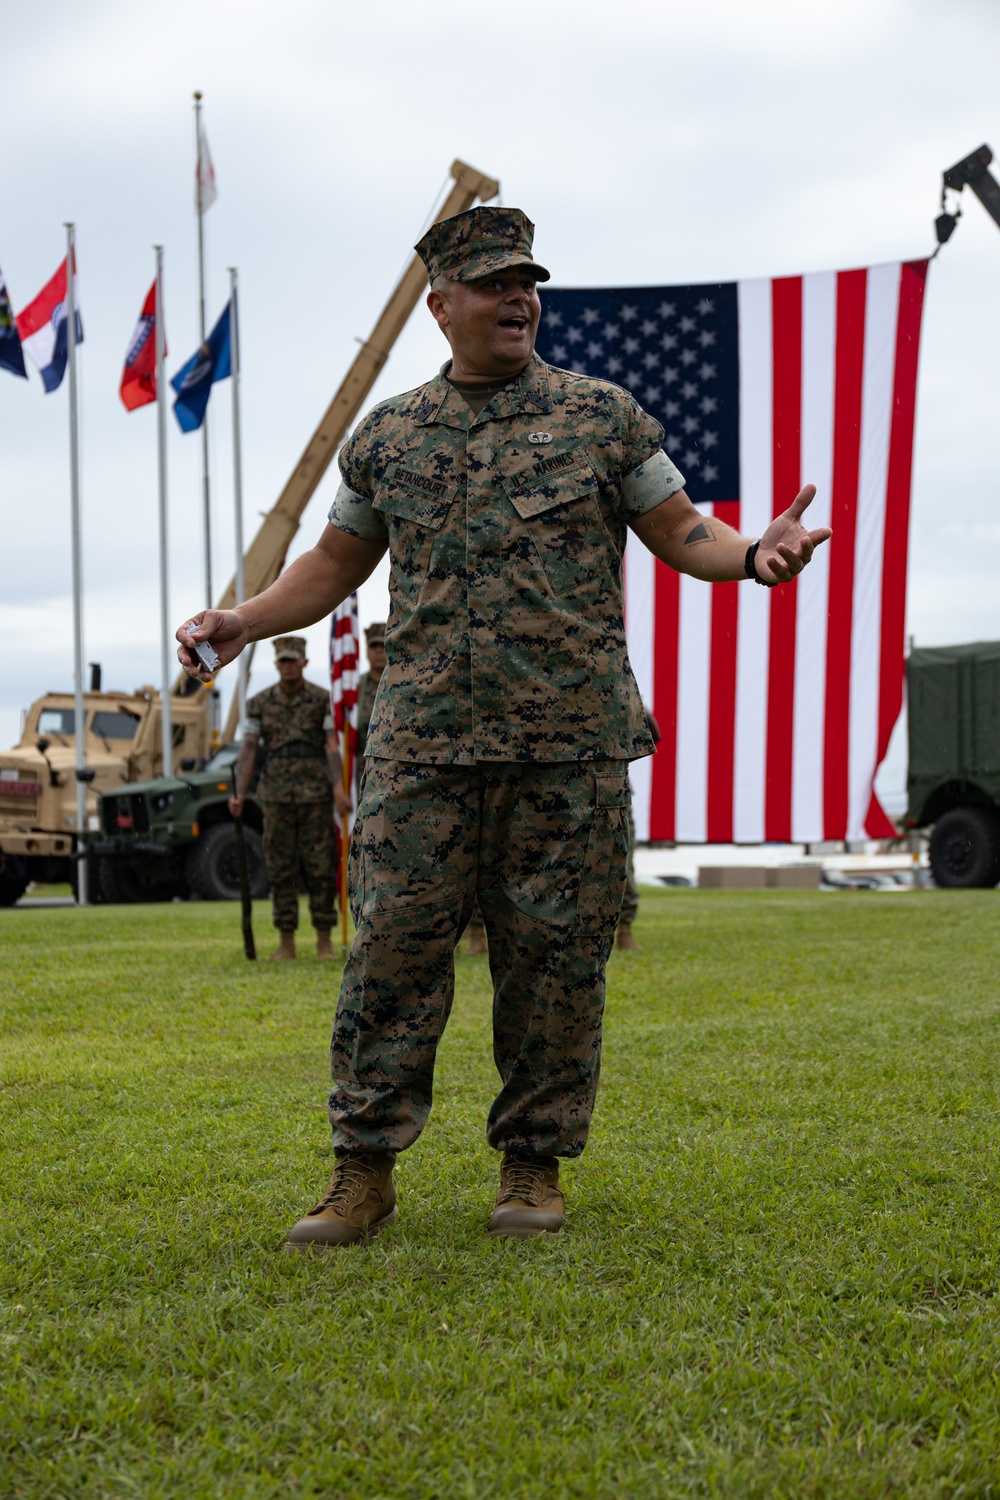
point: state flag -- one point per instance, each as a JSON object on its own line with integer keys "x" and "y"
{"x": 193, "y": 381}
{"x": 11, "y": 353}
{"x": 43, "y": 331}
{"x": 776, "y": 706}
{"x": 138, "y": 382}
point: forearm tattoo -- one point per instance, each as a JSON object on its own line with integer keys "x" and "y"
{"x": 700, "y": 533}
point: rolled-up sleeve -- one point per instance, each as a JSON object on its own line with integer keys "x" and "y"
{"x": 353, "y": 513}
{"x": 650, "y": 484}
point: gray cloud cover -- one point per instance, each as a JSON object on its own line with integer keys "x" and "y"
{"x": 649, "y": 142}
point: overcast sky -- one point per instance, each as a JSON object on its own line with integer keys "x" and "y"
{"x": 650, "y": 143}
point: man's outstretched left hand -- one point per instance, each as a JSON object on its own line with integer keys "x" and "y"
{"x": 786, "y": 545}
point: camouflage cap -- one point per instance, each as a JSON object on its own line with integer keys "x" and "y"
{"x": 290, "y": 648}
{"x": 375, "y": 634}
{"x": 478, "y": 243}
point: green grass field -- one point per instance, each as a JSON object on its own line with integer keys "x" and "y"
{"x": 779, "y": 1274}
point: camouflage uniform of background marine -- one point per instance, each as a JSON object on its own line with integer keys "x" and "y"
{"x": 507, "y": 715}
{"x": 297, "y": 798}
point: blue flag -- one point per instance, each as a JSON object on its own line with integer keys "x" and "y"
{"x": 193, "y": 381}
{"x": 11, "y": 357}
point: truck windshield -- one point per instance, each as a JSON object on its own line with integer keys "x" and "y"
{"x": 114, "y": 726}
{"x": 57, "y": 721}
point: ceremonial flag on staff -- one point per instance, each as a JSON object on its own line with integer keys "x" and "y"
{"x": 205, "y": 190}
{"x": 344, "y": 646}
{"x": 11, "y": 354}
{"x": 138, "y": 383}
{"x": 776, "y": 706}
{"x": 345, "y": 637}
{"x": 193, "y": 381}
{"x": 42, "y": 328}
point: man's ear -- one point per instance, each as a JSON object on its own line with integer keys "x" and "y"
{"x": 439, "y": 310}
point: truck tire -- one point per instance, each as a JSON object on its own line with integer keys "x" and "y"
{"x": 125, "y": 882}
{"x": 213, "y": 871}
{"x": 14, "y": 879}
{"x": 965, "y": 848}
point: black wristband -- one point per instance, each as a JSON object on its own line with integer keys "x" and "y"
{"x": 750, "y": 566}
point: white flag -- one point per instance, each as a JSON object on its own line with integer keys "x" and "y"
{"x": 205, "y": 190}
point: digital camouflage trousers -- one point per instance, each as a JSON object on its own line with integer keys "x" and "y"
{"x": 298, "y": 837}
{"x": 544, "y": 847}
{"x": 630, "y": 903}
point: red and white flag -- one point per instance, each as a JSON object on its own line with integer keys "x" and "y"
{"x": 775, "y": 705}
{"x": 138, "y": 382}
{"x": 205, "y": 190}
{"x": 43, "y": 327}
{"x": 344, "y": 648}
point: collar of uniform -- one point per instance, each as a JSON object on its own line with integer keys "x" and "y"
{"x": 441, "y": 402}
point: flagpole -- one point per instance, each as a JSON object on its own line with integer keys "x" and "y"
{"x": 206, "y": 499}
{"x": 74, "y": 490}
{"x": 234, "y": 362}
{"x": 161, "y": 462}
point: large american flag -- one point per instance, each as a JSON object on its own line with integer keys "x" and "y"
{"x": 775, "y": 706}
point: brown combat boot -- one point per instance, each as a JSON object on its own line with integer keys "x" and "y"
{"x": 529, "y": 1201}
{"x": 359, "y": 1202}
{"x": 324, "y": 948}
{"x": 285, "y": 948}
{"x": 475, "y": 940}
{"x": 625, "y": 938}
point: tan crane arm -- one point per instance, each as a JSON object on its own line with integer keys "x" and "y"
{"x": 265, "y": 557}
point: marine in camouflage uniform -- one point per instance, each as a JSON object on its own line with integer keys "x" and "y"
{"x": 498, "y": 751}
{"x": 296, "y": 794}
{"x": 498, "y": 754}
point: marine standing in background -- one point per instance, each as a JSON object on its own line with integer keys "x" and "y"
{"x": 303, "y": 773}
{"x": 367, "y": 684}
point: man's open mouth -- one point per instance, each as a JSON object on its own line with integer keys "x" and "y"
{"x": 517, "y": 323}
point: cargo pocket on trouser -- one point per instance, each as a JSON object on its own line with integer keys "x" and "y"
{"x": 358, "y": 899}
{"x": 605, "y": 865}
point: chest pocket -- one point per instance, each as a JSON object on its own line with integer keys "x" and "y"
{"x": 414, "y": 506}
{"x": 563, "y": 517}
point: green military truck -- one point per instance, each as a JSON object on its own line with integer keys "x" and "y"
{"x": 953, "y": 784}
{"x": 122, "y": 736}
{"x": 174, "y": 836}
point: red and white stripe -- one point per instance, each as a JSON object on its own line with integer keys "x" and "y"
{"x": 776, "y": 706}
{"x": 345, "y": 638}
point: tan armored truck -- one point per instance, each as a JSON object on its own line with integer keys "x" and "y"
{"x": 38, "y": 776}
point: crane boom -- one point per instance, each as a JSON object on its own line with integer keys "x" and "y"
{"x": 973, "y": 171}
{"x": 265, "y": 557}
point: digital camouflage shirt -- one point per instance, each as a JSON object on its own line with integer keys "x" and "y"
{"x": 367, "y": 688}
{"x": 506, "y": 533}
{"x": 293, "y": 728}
